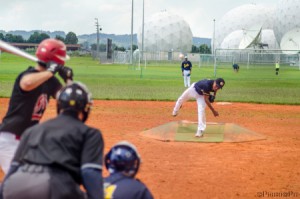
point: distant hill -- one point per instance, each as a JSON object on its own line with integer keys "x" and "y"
{"x": 26, "y": 34}
{"x": 197, "y": 41}
{"x": 119, "y": 40}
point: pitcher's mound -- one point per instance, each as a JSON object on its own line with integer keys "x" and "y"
{"x": 184, "y": 131}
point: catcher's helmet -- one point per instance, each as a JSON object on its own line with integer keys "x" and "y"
{"x": 75, "y": 97}
{"x": 123, "y": 157}
{"x": 52, "y": 50}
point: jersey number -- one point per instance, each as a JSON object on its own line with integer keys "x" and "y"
{"x": 109, "y": 191}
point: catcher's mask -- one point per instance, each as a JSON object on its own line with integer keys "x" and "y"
{"x": 75, "y": 98}
{"x": 52, "y": 50}
{"x": 123, "y": 157}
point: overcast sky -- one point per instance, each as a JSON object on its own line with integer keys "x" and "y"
{"x": 114, "y": 16}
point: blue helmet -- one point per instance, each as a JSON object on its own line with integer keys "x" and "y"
{"x": 123, "y": 157}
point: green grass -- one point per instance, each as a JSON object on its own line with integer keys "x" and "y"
{"x": 257, "y": 84}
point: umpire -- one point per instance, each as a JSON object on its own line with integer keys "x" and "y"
{"x": 54, "y": 158}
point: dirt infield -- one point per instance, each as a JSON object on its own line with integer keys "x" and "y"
{"x": 178, "y": 170}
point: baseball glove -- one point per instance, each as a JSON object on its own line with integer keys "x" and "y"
{"x": 211, "y": 98}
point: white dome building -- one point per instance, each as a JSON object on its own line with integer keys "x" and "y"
{"x": 268, "y": 37}
{"x": 290, "y": 42}
{"x": 166, "y": 32}
{"x": 243, "y": 18}
{"x": 232, "y": 40}
{"x": 287, "y": 18}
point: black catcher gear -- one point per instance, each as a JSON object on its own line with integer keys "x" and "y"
{"x": 75, "y": 98}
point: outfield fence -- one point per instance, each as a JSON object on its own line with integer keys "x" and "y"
{"x": 246, "y": 57}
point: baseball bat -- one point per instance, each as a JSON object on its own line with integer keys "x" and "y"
{"x": 16, "y": 51}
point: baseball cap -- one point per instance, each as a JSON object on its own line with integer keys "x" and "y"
{"x": 220, "y": 82}
{"x": 185, "y": 57}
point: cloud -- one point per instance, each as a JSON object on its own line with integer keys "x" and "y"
{"x": 114, "y": 16}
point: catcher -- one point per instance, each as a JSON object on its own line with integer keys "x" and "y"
{"x": 55, "y": 157}
{"x": 201, "y": 91}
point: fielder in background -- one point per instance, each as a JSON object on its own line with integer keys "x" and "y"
{"x": 235, "y": 67}
{"x": 30, "y": 95}
{"x": 123, "y": 162}
{"x": 277, "y": 66}
{"x": 55, "y": 157}
{"x": 201, "y": 91}
{"x": 186, "y": 68}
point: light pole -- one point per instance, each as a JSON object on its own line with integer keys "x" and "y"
{"x": 131, "y": 49}
{"x": 143, "y": 25}
{"x": 213, "y": 47}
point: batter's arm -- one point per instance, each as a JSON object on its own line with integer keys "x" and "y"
{"x": 206, "y": 98}
{"x": 33, "y": 80}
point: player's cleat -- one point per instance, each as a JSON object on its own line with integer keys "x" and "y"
{"x": 199, "y": 133}
{"x": 174, "y": 113}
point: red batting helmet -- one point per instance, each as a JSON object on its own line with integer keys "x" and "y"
{"x": 52, "y": 50}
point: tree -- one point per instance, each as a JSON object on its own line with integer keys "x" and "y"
{"x": 71, "y": 38}
{"x": 18, "y": 39}
{"x": 58, "y": 37}
{"x": 134, "y": 47}
{"x": 1, "y": 36}
{"x": 43, "y": 36}
{"x": 37, "y": 37}
{"x": 117, "y": 48}
{"x": 195, "y": 49}
{"x": 204, "y": 49}
{"x": 102, "y": 47}
{"x": 94, "y": 47}
{"x": 12, "y": 38}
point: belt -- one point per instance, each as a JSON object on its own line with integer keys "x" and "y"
{"x": 34, "y": 168}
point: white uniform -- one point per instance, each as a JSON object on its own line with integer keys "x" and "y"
{"x": 198, "y": 91}
{"x": 191, "y": 93}
{"x": 8, "y": 145}
{"x": 187, "y": 78}
{"x": 186, "y": 67}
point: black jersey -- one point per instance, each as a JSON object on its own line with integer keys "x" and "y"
{"x": 64, "y": 143}
{"x": 204, "y": 87}
{"x": 119, "y": 186}
{"x": 27, "y": 107}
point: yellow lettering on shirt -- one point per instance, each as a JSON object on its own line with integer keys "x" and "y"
{"x": 109, "y": 191}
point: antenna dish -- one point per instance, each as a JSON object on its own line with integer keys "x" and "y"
{"x": 250, "y": 37}
{"x": 232, "y": 40}
{"x": 291, "y": 41}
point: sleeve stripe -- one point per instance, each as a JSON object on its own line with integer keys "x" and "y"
{"x": 91, "y": 165}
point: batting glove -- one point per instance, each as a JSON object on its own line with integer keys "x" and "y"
{"x": 53, "y": 67}
{"x": 66, "y": 73}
